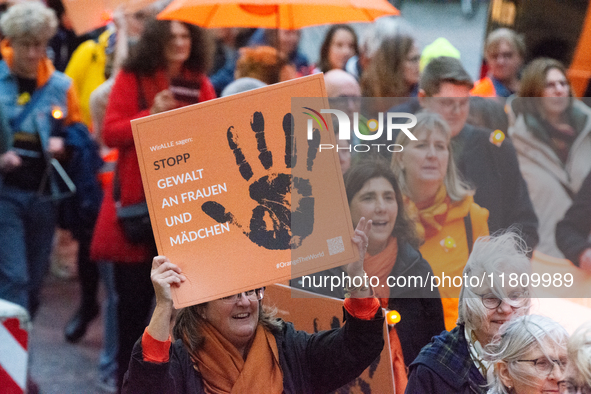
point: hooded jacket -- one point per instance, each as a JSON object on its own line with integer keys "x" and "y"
{"x": 550, "y": 182}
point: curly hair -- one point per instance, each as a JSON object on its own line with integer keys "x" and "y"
{"x": 324, "y": 63}
{"x": 29, "y": 19}
{"x": 147, "y": 56}
{"x": 263, "y": 63}
{"x": 376, "y": 167}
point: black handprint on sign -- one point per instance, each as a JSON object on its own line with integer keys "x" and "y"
{"x": 272, "y": 223}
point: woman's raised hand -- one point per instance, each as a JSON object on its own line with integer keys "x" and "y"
{"x": 165, "y": 274}
{"x": 361, "y": 240}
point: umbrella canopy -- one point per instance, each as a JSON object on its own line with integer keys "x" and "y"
{"x": 273, "y": 14}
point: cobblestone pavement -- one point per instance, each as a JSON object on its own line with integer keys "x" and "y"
{"x": 57, "y": 366}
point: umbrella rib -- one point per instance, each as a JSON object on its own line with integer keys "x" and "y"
{"x": 210, "y": 15}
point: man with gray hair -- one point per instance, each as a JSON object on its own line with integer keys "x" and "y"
{"x": 37, "y": 103}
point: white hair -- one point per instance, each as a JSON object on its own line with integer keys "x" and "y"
{"x": 579, "y": 352}
{"x": 29, "y": 19}
{"x": 515, "y": 340}
{"x": 499, "y": 255}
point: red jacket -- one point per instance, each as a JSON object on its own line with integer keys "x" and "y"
{"x": 109, "y": 242}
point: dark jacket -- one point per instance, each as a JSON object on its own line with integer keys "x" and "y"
{"x": 494, "y": 172}
{"x": 311, "y": 363}
{"x": 500, "y": 188}
{"x": 79, "y": 212}
{"x": 444, "y": 366}
{"x": 420, "y": 308}
{"x": 573, "y": 233}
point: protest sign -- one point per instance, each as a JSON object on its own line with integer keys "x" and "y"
{"x": 324, "y": 313}
{"x": 236, "y": 198}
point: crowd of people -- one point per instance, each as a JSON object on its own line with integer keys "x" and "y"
{"x": 499, "y": 172}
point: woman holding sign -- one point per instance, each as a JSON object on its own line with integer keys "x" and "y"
{"x": 234, "y": 345}
{"x": 165, "y": 71}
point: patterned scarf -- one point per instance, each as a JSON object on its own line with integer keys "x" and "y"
{"x": 477, "y": 354}
{"x": 429, "y": 220}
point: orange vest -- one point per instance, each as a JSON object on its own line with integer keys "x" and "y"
{"x": 484, "y": 88}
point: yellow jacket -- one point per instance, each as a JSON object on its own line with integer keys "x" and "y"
{"x": 447, "y": 251}
{"x": 87, "y": 69}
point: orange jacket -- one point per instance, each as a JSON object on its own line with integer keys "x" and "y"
{"x": 484, "y": 88}
{"x": 449, "y": 255}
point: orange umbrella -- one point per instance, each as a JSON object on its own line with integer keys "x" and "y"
{"x": 282, "y": 14}
{"x": 87, "y": 15}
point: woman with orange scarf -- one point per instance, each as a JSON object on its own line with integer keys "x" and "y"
{"x": 235, "y": 345}
{"x": 446, "y": 217}
{"x": 392, "y": 257}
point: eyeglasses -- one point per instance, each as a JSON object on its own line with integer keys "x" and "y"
{"x": 251, "y": 295}
{"x": 545, "y": 366}
{"x": 557, "y": 85}
{"x": 568, "y": 387}
{"x": 516, "y": 299}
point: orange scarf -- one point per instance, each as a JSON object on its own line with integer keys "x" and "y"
{"x": 429, "y": 220}
{"x": 225, "y": 371}
{"x": 381, "y": 265}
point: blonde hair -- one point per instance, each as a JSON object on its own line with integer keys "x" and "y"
{"x": 429, "y": 122}
{"x": 29, "y": 19}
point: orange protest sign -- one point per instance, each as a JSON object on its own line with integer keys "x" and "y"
{"x": 312, "y": 313}
{"x": 229, "y": 202}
